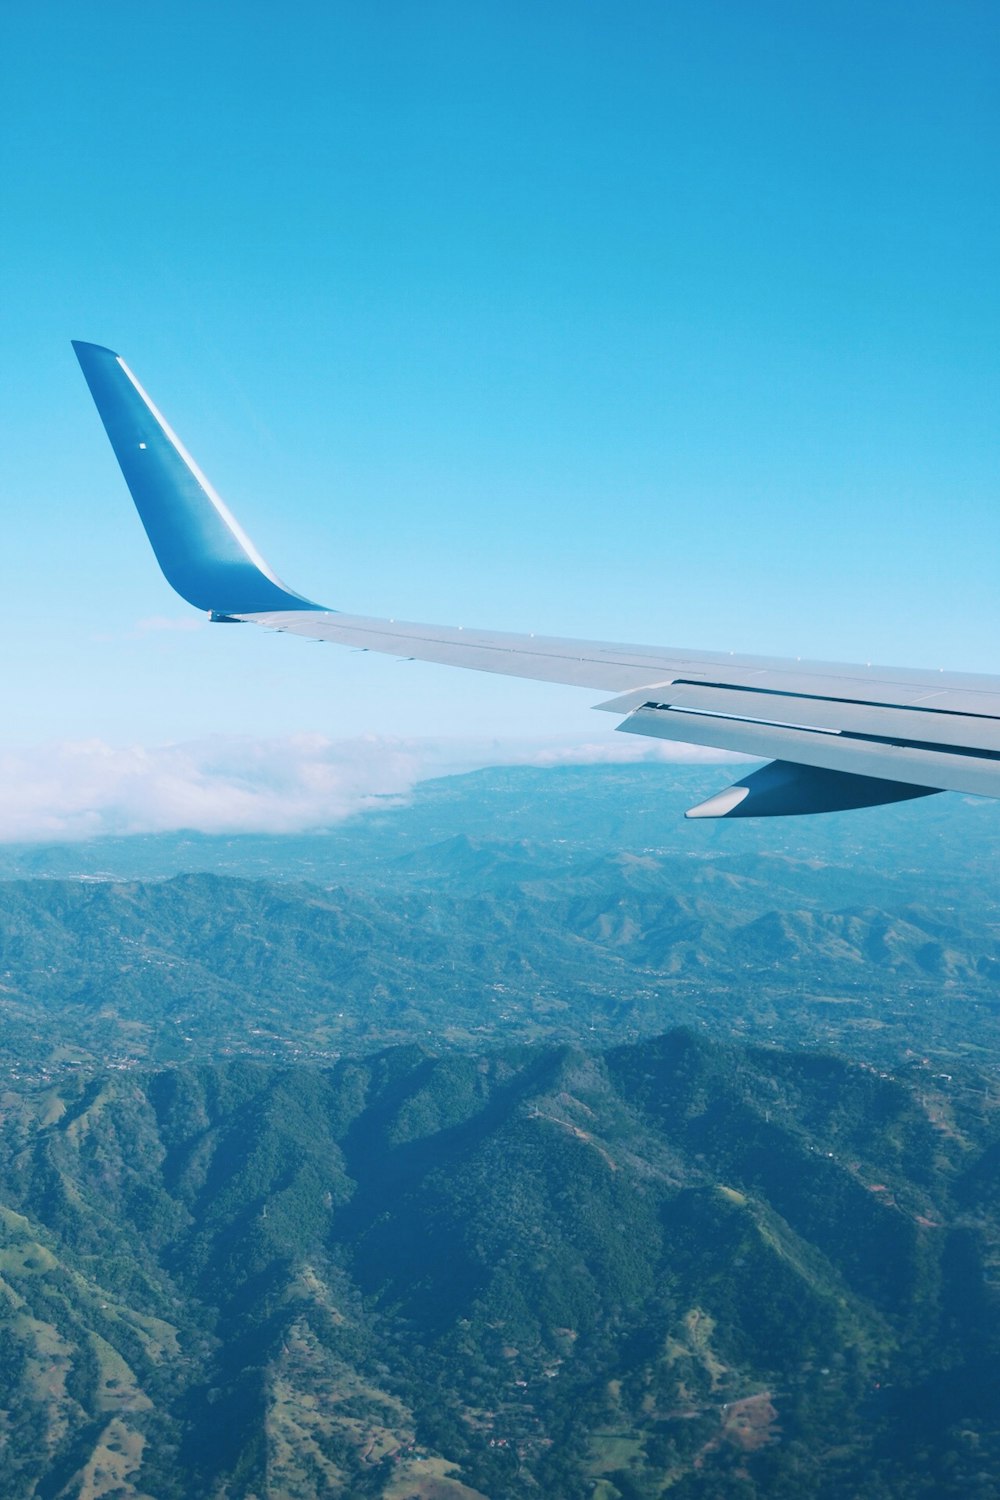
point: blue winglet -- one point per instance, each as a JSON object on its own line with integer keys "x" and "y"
{"x": 203, "y": 551}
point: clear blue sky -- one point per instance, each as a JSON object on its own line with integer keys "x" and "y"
{"x": 670, "y": 322}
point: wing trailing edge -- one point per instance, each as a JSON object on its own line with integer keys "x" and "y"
{"x": 837, "y": 735}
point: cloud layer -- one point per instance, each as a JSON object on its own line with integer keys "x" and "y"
{"x": 82, "y": 789}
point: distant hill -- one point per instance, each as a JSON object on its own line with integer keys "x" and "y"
{"x": 570, "y": 903}
{"x": 534, "y": 1270}
{"x": 471, "y": 939}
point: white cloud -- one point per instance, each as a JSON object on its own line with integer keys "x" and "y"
{"x": 81, "y": 789}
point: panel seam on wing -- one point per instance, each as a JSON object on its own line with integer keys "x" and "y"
{"x": 897, "y": 742}
{"x": 916, "y": 706}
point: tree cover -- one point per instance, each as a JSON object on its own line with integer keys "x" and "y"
{"x": 674, "y": 1266}
{"x": 505, "y": 1143}
{"x": 202, "y": 966}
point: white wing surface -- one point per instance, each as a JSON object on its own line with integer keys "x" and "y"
{"x": 839, "y": 735}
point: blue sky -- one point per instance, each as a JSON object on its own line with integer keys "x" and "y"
{"x": 658, "y": 322}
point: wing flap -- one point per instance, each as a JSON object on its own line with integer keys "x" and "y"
{"x": 949, "y": 770}
{"x": 880, "y": 720}
{"x": 771, "y": 690}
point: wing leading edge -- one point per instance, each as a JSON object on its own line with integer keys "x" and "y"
{"x": 838, "y": 736}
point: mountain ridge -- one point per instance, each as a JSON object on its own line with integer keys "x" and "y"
{"x": 414, "y": 1255}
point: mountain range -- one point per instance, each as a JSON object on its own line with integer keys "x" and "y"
{"x": 517, "y": 1139}
{"x": 670, "y": 1267}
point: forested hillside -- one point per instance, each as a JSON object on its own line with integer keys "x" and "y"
{"x": 197, "y": 967}
{"x": 520, "y": 1140}
{"x": 742, "y": 1271}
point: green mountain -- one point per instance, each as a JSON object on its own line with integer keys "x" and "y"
{"x": 571, "y": 904}
{"x": 200, "y": 967}
{"x": 674, "y": 1267}
{"x": 359, "y": 1163}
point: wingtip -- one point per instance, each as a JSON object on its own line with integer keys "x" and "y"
{"x": 203, "y": 551}
{"x": 82, "y": 347}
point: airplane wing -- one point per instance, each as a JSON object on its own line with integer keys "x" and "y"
{"x": 837, "y": 736}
